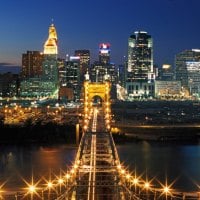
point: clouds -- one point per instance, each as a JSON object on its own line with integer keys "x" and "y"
{"x": 9, "y": 67}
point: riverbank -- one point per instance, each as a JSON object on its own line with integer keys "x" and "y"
{"x": 157, "y": 120}
{"x": 50, "y": 133}
{"x": 159, "y": 133}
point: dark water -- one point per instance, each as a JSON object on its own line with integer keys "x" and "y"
{"x": 178, "y": 162}
{"x": 18, "y": 163}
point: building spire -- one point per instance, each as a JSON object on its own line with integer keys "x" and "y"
{"x": 50, "y": 46}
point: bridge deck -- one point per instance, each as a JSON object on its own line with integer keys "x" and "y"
{"x": 97, "y": 173}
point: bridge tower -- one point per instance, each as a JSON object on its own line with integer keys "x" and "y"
{"x": 101, "y": 90}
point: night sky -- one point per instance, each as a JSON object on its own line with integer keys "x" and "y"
{"x": 83, "y": 24}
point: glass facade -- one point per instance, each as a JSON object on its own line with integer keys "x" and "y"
{"x": 140, "y": 56}
{"x": 47, "y": 84}
{"x": 139, "y": 73}
{"x": 181, "y": 67}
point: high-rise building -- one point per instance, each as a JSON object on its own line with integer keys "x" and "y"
{"x": 32, "y": 64}
{"x": 47, "y": 84}
{"x": 50, "y": 68}
{"x": 140, "y": 74}
{"x": 9, "y": 84}
{"x": 140, "y": 56}
{"x": 166, "y": 73}
{"x": 193, "y": 78}
{"x": 72, "y": 76}
{"x": 84, "y": 56}
{"x": 50, "y": 46}
{"x": 104, "y": 53}
{"x": 181, "y": 67}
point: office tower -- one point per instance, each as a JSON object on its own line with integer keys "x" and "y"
{"x": 181, "y": 67}
{"x": 84, "y": 56}
{"x": 50, "y": 68}
{"x": 47, "y": 84}
{"x": 104, "y": 69}
{"x": 140, "y": 56}
{"x": 50, "y": 46}
{"x": 31, "y": 64}
{"x": 9, "y": 85}
{"x": 104, "y": 53}
{"x": 166, "y": 73}
{"x": 72, "y": 76}
{"x": 193, "y": 78}
{"x": 99, "y": 72}
{"x": 140, "y": 74}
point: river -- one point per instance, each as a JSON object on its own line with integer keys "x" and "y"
{"x": 180, "y": 162}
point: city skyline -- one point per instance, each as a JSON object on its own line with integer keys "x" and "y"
{"x": 173, "y": 25}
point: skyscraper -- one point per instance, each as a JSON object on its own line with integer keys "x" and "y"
{"x": 84, "y": 56}
{"x": 47, "y": 84}
{"x": 50, "y": 69}
{"x": 193, "y": 74}
{"x": 50, "y": 46}
{"x": 72, "y": 77}
{"x": 140, "y": 56}
{"x": 31, "y": 64}
{"x": 139, "y": 75}
{"x": 104, "y": 53}
{"x": 181, "y": 67}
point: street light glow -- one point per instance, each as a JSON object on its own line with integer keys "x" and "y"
{"x": 32, "y": 189}
{"x": 135, "y": 181}
{"x": 49, "y": 184}
{"x": 146, "y": 185}
{"x": 166, "y": 189}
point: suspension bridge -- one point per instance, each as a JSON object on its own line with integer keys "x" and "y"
{"x": 97, "y": 173}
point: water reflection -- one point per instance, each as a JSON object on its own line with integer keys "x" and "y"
{"x": 155, "y": 160}
{"x": 175, "y": 161}
{"x": 24, "y": 161}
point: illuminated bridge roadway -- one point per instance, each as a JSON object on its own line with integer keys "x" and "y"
{"x": 97, "y": 173}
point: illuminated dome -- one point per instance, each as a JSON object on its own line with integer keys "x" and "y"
{"x": 50, "y": 46}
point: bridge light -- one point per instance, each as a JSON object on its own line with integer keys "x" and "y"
{"x": 119, "y": 166}
{"x": 122, "y": 171}
{"x": 78, "y": 162}
{"x": 31, "y": 189}
{"x": 1, "y": 191}
{"x": 135, "y": 181}
{"x": 147, "y": 185}
{"x": 128, "y": 176}
{"x": 107, "y": 116}
{"x": 75, "y": 166}
{"x": 60, "y": 181}
{"x": 166, "y": 189}
{"x": 49, "y": 185}
{"x": 67, "y": 176}
{"x": 108, "y": 127}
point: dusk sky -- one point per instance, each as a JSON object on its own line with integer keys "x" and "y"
{"x": 82, "y": 24}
